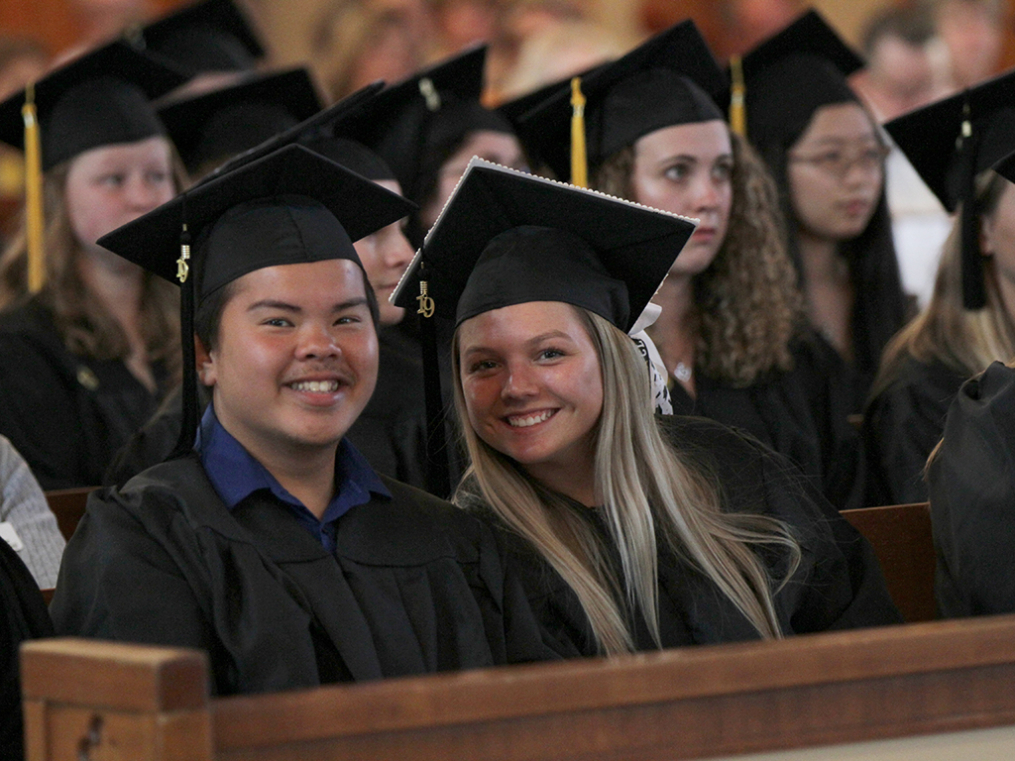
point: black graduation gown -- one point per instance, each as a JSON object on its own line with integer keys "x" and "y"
{"x": 390, "y": 432}
{"x": 23, "y": 617}
{"x": 415, "y": 585}
{"x": 801, "y": 414}
{"x": 838, "y": 585}
{"x": 67, "y": 415}
{"x": 971, "y": 484}
{"x": 901, "y": 426}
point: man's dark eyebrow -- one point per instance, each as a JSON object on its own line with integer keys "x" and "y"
{"x": 356, "y": 302}
{"x": 271, "y": 304}
{"x": 287, "y": 307}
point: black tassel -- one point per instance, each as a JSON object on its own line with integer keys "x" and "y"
{"x": 974, "y": 293}
{"x": 438, "y": 475}
{"x": 188, "y": 429}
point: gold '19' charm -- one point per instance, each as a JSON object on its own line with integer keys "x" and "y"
{"x": 182, "y": 268}
{"x": 426, "y": 305}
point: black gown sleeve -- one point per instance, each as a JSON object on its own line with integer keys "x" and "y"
{"x": 972, "y": 499}
{"x": 902, "y": 425}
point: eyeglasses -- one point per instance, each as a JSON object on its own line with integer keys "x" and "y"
{"x": 838, "y": 161}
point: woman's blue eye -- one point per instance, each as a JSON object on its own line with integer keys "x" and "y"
{"x": 551, "y": 353}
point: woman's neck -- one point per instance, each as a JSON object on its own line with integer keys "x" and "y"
{"x": 577, "y": 480}
{"x": 675, "y": 333}
{"x": 828, "y": 291}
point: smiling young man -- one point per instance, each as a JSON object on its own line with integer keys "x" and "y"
{"x": 272, "y": 544}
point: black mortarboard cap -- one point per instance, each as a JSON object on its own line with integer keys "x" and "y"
{"x": 949, "y": 142}
{"x": 289, "y": 207}
{"x": 214, "y": 35}
{"x": 217, "y": 125}
{"x": 506, "y": 237}
{"x": 792, "y": 74}
{"x": 409, "y": 122}
{"x": 671, "y": 79}
{"x": 101, "y": 98}
{"x": 320, "y": 124}
{"x": 352, "y": 155}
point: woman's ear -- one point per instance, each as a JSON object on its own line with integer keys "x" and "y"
{"x": 205, "y": 363}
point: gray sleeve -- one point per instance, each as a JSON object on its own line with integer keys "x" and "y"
{"x": 24, "y": 506}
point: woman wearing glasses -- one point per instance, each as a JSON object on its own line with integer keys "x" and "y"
{"x": 825, "y": 153}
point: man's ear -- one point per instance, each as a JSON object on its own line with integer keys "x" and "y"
{"x": 205, "y": 363}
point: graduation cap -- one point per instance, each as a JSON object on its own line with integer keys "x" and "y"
{"x": 289, "y": 207}
{"x": 951, "y": 141}
{"x": 671, "y": 79}
{"x": 506, "y": 237}
{"x": 792, "y": 74}
{"x": 101, "y": 98}
{"x": 412, "y": 123}
{"x": 354, "y": 156}
{"x": 215, "y": 126}
{"x": 214, "y": 35}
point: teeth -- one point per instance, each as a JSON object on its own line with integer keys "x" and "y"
{"x": 317, "y": 387}
{"x": 526, "y": 421}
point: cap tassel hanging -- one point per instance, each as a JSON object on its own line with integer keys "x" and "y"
{"x": 34, "y": 211}
{"x": 438, "y": 470}
{"x": 974, "y": 294}
{"x": 188, "y": 429}
{"x": 738, "y": 92}
{"x": 579, "y": 162}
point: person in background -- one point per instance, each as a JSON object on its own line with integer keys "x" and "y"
{"x": 970, "y": 321}
{"x": 213, "y": 42}
{"x": 26, "y": 521}
{"x": 899, "y": 78}
{"x": 88, "y": 356}
{"x": 732, "y": 334}
{"x": 210, "y": 128}
{"x": 270, "y": 542}
{"x": 968, "y": 42}
{"x": 826, "y": 154}
{"x": 632, "y": 533}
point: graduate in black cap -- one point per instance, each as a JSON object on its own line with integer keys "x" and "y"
{"x": 213, "y": 127}
{"x": 391, "y": 430}
{"x": 970, "y": 479}
{"x": 634, "y": 533}
{"x": 212, "y": 37}
{"x": 970, "y": 320}
{"x": 825, "y": 153}
{"x": 731, "y": 331}
{"x": 90, "y": 343}
{"x": 270, "y": 542}
{"x": 429, "y": 126}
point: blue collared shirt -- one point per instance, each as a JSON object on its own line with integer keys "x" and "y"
{"x": 235, "y": 474}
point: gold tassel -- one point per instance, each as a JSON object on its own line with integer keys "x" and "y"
{"x": 34, "y": 212}
{"x": 579, "y": 162}
{"x": 738, "y": 107}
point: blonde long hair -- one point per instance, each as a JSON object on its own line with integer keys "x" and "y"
{"x": 964, "y": 340}
{"x": 647, "y": 491}
{"x": 748, "y": 302}
{"x": 85, "y": 325}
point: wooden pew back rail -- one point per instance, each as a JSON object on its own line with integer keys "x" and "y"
{"x": 151, "y": 703}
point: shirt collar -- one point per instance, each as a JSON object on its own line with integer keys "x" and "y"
{"x": 236, "y": 474}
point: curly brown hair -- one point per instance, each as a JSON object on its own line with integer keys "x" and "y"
{"x": 87, "y": 328}
{"x": 749, "y": 305}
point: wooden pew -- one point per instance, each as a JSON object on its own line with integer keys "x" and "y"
{"x": 68, "y": 505}
{"x": 127, "y": 701}
{"x": 902, "y": 540}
